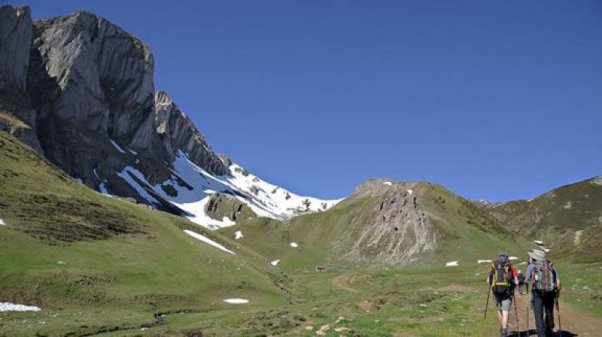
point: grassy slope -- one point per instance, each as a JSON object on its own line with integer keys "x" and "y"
{"x": 464, "y": 233}
{"x": 118, "y": 282}
{"x": 557, "y": 216}
{"x": 95, "y": 261}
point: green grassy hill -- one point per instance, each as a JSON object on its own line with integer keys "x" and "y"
{"x": 101, "y": 266}
{"x": 98, "y": 262}
{"x": 384, "y": 226}
{"x": 568, "y": 219}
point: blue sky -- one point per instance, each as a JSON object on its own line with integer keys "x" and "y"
{"x": 495, "y": 100}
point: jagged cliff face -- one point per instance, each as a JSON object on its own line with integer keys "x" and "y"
{"x": 85, "y": 86}
{"x": 15, "y": 39}
{"x": 16, "y": 33}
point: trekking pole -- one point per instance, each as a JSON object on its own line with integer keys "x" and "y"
{"x": 516, "y": 313}
{"x": 487, "y": 304}
{"x": 558, "y": 312}
{"x": 527, "y": 308}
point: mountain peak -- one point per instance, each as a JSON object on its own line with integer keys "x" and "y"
{"x": 379, "y": 186}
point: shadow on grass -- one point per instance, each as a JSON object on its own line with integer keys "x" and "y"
{"x": 533, "y": 332}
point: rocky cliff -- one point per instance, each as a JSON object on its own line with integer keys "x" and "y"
{"x": 85, "y": 87}
{"x": 80, "y": 91}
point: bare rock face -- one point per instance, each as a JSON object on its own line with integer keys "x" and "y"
{"x": 105, "y": 75}
{"x": 400, "y": 229}
{"x": 15, "y": 42}
{"x": 85, "y": 87}
{"x": 178, "y": 132}
{"x": 16, "y": 33}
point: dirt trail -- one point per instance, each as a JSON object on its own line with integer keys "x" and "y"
{"x": 342, "y": 282}
{"x": 574, "y": 322}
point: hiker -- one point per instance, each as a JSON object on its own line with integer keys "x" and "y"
{"x": 545, "y": 290}
{"x": 502, "y": 279}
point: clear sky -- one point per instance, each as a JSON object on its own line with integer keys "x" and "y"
{"x": 495, "y": 100}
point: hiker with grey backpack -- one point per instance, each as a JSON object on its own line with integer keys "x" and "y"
{"x": 502, "y": 279}
{"x": 545, "y": 291}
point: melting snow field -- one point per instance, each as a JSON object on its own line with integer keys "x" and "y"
{"x": 236, "y": 301}
{"x": 198, "y": 215}
{"x": 2, "y": 223}
{"x": 194, "y": 186}
{"x": 6, "y": 306}
{"x": 238, "y": 235}
{"x": 275, "y": 263}
{"x": 294, "y": 245}
{"x": 208, "y": 241}
{"x": 452, "y": 264}
{"x": 483, "y": 261}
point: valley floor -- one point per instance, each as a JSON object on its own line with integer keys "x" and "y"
{"x": 420, "y": 303}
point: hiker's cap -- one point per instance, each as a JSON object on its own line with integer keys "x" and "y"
{"x": 537, "y": 255}
{"x": 503, "y": 258}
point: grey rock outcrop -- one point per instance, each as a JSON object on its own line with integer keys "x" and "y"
{"x": 86, "y": 88}
{"x": 15, "y": 44}
{"x": 400, "y": 229}
{"x": 178, "y": 132}
{"x": 16, "y": 33}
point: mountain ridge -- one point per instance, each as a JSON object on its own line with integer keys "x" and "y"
{"x": 85, "y": 87}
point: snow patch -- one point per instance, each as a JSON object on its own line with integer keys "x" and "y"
{"x": 452, "y": 264}
{"x": 236, "y": 300}
{"x": 410, "y": 192}
{"x": 238, "y": 235}
{"x": 568, "y": 205}
{"x": 102, "y": 187}
{"x": 116, "y": 146}
{"x": 196, "y": 211}
{"x": 388, "y": 183}
{"x": 189, "y": 186}
{"x": 483, "y": 261}
{"x": 538, "y": 242}
{"x": 126, "y": 174}
{"x": 208, "y": 241}
{"x": 294, "y": 245}
{"x": 6, "y": 306}
{"x": 96, "y": 174}
{"x": 2, "y": 223}
{"x": 275, "y": 263}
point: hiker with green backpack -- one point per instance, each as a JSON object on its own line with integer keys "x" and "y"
{"x": 545, "y": 290}
{"x": 502, "y": 279}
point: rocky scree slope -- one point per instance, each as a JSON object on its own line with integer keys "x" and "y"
{"x": 84, "y": 87}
